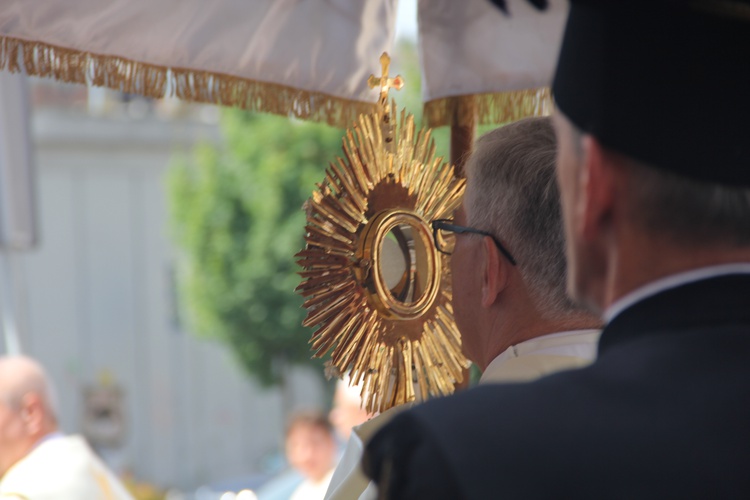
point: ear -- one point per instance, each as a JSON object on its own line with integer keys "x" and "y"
{"x": 494, "y": 274}
{"x": 596, "y": 190}
{"x": 32, "y": 413}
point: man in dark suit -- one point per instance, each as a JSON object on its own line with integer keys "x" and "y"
{"x": 654, "y": 171}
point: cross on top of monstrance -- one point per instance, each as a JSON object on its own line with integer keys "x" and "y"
{"x": 384, "y": 82}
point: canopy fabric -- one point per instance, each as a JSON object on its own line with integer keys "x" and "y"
{"x": 478, "y": 61}
{"x": 306, "y": 58}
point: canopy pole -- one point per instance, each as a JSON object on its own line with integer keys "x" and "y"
{"x": 462, "y": 141}
{"x": 462, "y": 133}
{"x": 7, "y": 306}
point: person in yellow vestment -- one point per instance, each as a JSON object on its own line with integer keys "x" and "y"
{"x": 37, "y": 461}
{"x": 508, "y": 272}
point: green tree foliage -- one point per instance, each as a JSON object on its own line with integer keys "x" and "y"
{"x": 237, "y": 219}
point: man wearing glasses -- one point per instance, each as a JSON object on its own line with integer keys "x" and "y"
{"x": 508, "y": 260}
{"x": 509, "y": 299}
{"x": 656, "y": 205}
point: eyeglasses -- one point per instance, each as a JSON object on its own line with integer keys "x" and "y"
{"x": 444, "y": 233}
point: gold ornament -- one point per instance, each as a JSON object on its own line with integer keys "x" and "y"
{"x": 375, "y": 285}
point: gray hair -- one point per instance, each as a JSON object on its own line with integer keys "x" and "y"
{"x": 512, "y": 192}
{"x": 686, "y": 211}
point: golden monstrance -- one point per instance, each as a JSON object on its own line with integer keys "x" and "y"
{"x": 374, "y": 284}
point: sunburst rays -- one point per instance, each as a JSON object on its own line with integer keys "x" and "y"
{"x": 397, "y": 358}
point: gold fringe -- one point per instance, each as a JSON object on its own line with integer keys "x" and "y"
{"x": 126, "y": 75}
{"x": 485, "y": 109}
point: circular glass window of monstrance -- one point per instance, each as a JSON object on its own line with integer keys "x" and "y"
{"x": 403, "y": 264}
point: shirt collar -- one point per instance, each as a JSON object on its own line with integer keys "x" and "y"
{"x": 49, "y": 437}
{"x": 672, "y": 281}
{"x": 545, "y": 342}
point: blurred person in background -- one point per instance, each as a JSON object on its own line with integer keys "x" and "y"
{"x": 348, "y": 410}
{"x": 311, "y": 449}
{"x": 37, "y": 461}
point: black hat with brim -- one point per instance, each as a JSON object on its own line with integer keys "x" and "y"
{"x": 665, "y": 82}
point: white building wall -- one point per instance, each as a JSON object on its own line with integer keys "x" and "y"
{"x": 99, "y": 303}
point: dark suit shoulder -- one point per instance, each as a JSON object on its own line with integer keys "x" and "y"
{"x": 407, "y": 462}
{"x": 659, "y": 415}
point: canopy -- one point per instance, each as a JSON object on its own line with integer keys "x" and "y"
{"x": 305, "y": 58}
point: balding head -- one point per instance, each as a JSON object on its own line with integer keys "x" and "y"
{"x": 19, "y": 376}
{"x": 27, "y": 411}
